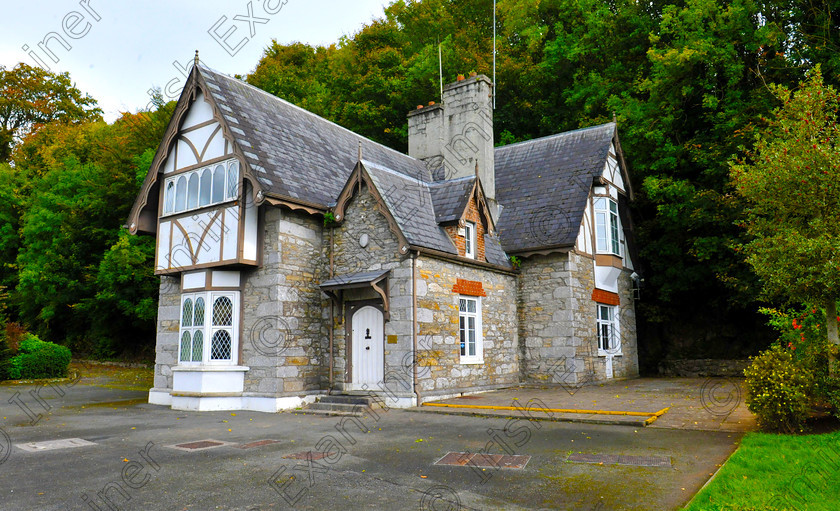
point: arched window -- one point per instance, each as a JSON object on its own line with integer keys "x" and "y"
{"x": 206, "y": 183}
{"x": 181, "y": 195}
{"x": 185, "y": 347}
{"x": 219, "y": 183}
{"x": 169, "y": 198}
{"x": 210, "y": 315}
{"x": 197, "y": 346}
{"x": 192, "y": 192}
{"x": 233, "y": 180}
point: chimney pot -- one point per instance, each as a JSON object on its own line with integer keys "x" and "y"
{"x": 473, "y": 74}
{"x": 460, "y": 78}
{"x": 419, "y": 107}
{"x": 431, "y": 103}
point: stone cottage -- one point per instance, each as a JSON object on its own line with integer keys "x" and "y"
{"x": 299, "y": 259}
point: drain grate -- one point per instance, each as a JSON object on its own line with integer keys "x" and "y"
{"x": 258, "y": 443}
{"x": 461, "y": 459}
{"x": 309, "y": 455}
{"x": 199, "y": 445}
{"x": 52, "y": 445}
{"x": 620, "y": 459}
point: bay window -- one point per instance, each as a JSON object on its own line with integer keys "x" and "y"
{"x": 607, "y": 240}
{"x": 208, "y": 333}
{"x": 201, "y": 187}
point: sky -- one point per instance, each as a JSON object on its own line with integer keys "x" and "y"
{"x": 118, "y": 51}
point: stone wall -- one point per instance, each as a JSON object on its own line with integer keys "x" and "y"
{"x": 168, "y": 325}
{"x": 557, "y": 322}
{"x": 439, "y": 366}
{"x": 283, "y": 337}
{"x": 703, "y": 367}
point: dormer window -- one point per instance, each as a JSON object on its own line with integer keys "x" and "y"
{"x": 469, "y": 240}
{"x": 201, "y": 187}
{"x": 607, "y": 239}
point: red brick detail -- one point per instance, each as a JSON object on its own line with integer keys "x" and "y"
{"x": 468, "y": 288}
{"x": 605, "y": 297}
{"x": 471, "y": 216}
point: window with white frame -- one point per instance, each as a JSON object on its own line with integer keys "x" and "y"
{"x": 469, "y": 240}
{"x": 469, "y": 326}
{"x": 201, "y": 187}
{"x": 607, "y": 226}
{"x": 208, "y": 332}
{"x": 609, "y": 338}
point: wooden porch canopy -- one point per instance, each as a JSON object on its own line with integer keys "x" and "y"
{"x": 376, "y": 280}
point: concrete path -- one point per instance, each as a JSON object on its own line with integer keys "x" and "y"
{"x": 123, "y": 455}
{"x": 709, "y": 404}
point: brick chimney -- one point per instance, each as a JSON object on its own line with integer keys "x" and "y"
{"x": 455, "y": 135}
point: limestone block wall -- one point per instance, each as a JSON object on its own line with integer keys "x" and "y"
{"x": 168, "y": 324}
{"x": 557, "y": 322}
{"x": 380, "y": 252}
{"x": 439, "y": 366}
{"x": 283, "y": 336}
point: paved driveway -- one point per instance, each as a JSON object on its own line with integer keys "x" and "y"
{"x": 386, "y": 460}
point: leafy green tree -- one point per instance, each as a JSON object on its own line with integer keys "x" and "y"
{"x": 790, "y": 183}
{"x": 31, "y": 97}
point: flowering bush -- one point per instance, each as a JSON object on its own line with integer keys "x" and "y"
{"x": 779, "y": 390}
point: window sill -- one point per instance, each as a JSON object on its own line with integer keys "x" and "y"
{"x": 605, "y": 353}
{"x": 471, "y": 361}
{"x": 210, "y": 368}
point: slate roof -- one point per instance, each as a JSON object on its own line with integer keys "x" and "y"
{"x": 450, "y": 198}
{"x": 543, "y": 185}
{"x": 352, "y": 279}
{"x": 410, "y": 202}
{"x": 295, "y": 153}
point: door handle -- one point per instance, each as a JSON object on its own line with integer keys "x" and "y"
{"x": 367, "y": 347}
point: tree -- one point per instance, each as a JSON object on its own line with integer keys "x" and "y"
{"x": 790, "y": 184}
{"x": 31, "y": 97}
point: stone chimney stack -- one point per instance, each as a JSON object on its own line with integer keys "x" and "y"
{"x": 451, "y": 138}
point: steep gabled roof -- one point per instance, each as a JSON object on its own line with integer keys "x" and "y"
{"x": 294, "y": 153}
{"x": 450, "y": 198}
{"x": 543, "y": 186}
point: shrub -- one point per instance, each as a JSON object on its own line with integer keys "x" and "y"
{"x": 779, "y": 390}
{"x": 39, "y": 359}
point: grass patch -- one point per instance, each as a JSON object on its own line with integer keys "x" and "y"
{"x": 114, "y": 377}
{"x": 776, "y": 473}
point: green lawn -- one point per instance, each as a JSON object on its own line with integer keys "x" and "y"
{"x": 777, "y": 472}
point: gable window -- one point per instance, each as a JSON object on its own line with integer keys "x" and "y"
{"x": 606, "y": 226}
{"x": 469, "y": 240}
{"x": 201, "y": 187}
{"x": 469, "y": 326}
{"x": 609, "y": 340}
{"x": 208, "y": 328}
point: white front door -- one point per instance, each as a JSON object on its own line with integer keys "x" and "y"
{"x": 368, "y": 348}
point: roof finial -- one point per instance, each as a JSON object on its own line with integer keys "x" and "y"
{"x": 360, "y": 150}
{"x": 476, "y": 169}
{"x": 614, "y": 117}
{"x": 196, "y": 58}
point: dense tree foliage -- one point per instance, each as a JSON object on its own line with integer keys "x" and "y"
{"x": 31, "y": 97}
{"x": 687, "y": 80}
{"x": 791, "y": 185}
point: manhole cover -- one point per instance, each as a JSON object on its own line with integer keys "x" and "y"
{"x": 616, "y": 459}
{"x": 258, "y": 443}
{"x": 199, "y": 445}
{"x": 309, "y": 455}
{"x": 460, "y": 459}
{"x": 52, "y": 445}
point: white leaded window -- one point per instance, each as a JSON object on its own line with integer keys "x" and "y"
{"x": 208, "y": 333}
{"x": 609, "y": 338}
{"x": 469, "y": 325}
{"x": 469, "y": 240}
{"x": 607, "y": 227}
{"x": 201, "y": 187}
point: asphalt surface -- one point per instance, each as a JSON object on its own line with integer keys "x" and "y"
{"x": 385, "y": 460}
